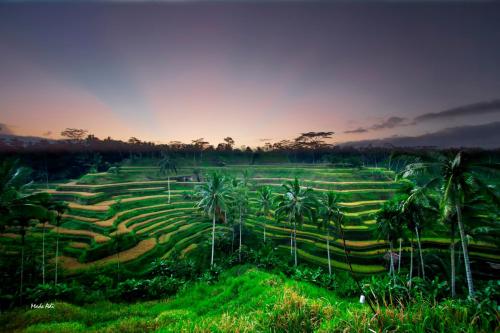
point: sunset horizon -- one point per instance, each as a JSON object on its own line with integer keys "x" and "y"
{"x": 257, "y": 72}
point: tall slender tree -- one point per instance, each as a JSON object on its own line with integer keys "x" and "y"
{"x": 329, "y": 211}
{"x": 296, "y": 203}
{"x": 264, "y": 201}
{"x": 390, "y": 226}
{"x": 167, "y": 166}
{"x": 59, "y": 207}
{"x": 213, "y": 197}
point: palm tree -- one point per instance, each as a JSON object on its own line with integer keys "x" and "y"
{"x": 167, "y": 165}
{"x": 18, "y": 208}
{"x": 239, "y": 203}
{"x": 390, "y": 226}
{"x": 240, "y": 197}
{"x": 329, "y": 211}
{"x": 60, "y": 208}
{"x": 296, "y": 203}
{"x": 213, "y": 197}
{"x": 459, "y": 177}
{"x": 116, "y": 244}
{"x": 265, "y": 201}
{"x": 418, "y": 208}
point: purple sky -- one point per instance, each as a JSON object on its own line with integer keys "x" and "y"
{"x": 253, "y": 71}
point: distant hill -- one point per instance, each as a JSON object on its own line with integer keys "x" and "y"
{"x": 482, "y": 136}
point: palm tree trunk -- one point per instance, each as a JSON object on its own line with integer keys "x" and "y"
{"x": 57, "y": 252}
{"x": 391, "y": 270}
{"x": 452, "y": 262}
{"x": 168, "y": 182}
{"x": 411, "y": 260}
{"x": 468, "y": 272}
{"x": 328, "y": 250}
{"x": 239, "y": 249}
{"x": 232, "y": 241}
{"x": 420, "y": 252}
{"x": 22, "y": 267}
{"x": 368, "y": 298}
{"x": 399, "y": 259}
{"x": 43, "y": 254}
{"x": 213, "y": 241}
{"x": 295, "y": 242}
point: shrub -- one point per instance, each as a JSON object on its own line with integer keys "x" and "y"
{"x": 49, "y": 292}
{"x": 163, "y": 286}
{"x": 133, "y": 289}
{"x": 181, "y": 269}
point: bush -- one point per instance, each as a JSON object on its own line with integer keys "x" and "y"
{"x": 212, "y": 275}
{"x": 181, "y": 269}
{"x": 162, "y": 286}
{"x": 49, "y": 292}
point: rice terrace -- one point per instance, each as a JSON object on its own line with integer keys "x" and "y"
{"x": 249, "y": 166}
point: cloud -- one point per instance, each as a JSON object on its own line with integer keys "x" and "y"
{"x": 475, "y": 109}
{"x": 48, "y": 133}
{"x": 390, "y": 123}
{"x": 466, "y": 110}
{"x": 357, "y": 130}
{"x": 484, "y": 136}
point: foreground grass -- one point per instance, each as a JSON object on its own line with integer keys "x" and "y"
{"x": 243, "y": 300}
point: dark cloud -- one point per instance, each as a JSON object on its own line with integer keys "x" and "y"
{"x": 483, "y": 136}
{"x": 466, "y": 110}
{"x": 390, "y": 123}
{"x": 475, "y": 109}
{"x": 357, "y": 130}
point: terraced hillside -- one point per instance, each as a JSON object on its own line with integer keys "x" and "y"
{"x": 127, "y": 217}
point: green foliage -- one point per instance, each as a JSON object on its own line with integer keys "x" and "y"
{"x": 50, "y": 292}
{"x": 158, "y": 287}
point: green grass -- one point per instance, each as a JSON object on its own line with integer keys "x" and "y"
{"x": 244, "y": 300}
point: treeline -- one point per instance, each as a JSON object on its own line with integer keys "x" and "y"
{"x": 81, "y": 152}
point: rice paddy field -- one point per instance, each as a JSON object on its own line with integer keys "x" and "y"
{"x": 134, "y": 207}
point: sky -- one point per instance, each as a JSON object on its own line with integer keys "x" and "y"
{"x": 255, "y": 71}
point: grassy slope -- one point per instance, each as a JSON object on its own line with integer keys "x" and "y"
{"x": 244, "y": 300}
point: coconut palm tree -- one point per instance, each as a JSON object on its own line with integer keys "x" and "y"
{"x": 19, "y": 208}
{"x": 329, "y": 210}
{"x": 59, "y": 207}
{"x": 264, "y": 201}
{"x": 239, "y": 202}
{"x": 116, "y": 244}
{"x": 167, "y": 165}
{"x": 296, "y": 203}
{"x": 459, "y": 176}
{"x": 390, "y": 226}
{"x": 213, "y": 201}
